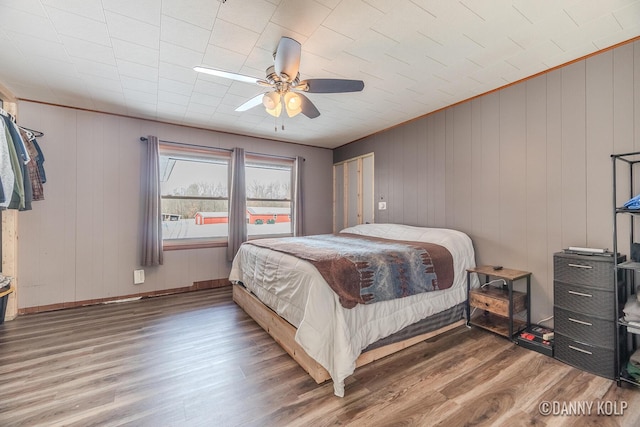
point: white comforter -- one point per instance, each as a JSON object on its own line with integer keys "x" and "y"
{"x": 331, "y": 334}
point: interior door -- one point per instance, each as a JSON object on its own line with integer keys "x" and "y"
{"x": 353, "y": 200}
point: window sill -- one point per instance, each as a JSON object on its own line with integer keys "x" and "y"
{"x": 268, "y": 236}
{"x": 185, "y": 244}
{"x": 177, "y": 246}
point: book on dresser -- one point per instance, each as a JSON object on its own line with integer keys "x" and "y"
{"x": 585, "y": 311}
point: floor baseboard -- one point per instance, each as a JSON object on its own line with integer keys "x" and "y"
{"x": 203, "y": 284}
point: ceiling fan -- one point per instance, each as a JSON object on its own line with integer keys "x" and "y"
{"x": 283, "y": 78}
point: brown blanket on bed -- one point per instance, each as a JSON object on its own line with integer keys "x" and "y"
{"x": 364, "y": 270}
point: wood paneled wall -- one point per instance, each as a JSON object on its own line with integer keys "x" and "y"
{"x": 525, "y": 171}
{"x": 82, "y": 242}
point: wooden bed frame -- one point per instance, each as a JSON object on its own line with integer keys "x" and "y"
{"x": 284, "y": 334}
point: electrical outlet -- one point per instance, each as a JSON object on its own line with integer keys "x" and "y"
{"x": 382, "y": 206}
{"x": 138, "y": 277}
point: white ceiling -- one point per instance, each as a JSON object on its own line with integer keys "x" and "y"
{"x": 135, "y": 57}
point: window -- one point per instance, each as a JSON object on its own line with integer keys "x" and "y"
{"x": 269, "y": 183}
{"x": 194, "y": 195}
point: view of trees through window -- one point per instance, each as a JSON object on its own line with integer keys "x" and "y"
{"x": 195, "y": 197}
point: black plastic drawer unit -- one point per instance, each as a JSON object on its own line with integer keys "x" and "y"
{"x": 585, "y": 311}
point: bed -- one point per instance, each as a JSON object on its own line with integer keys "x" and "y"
{"x": 292, "y": 301}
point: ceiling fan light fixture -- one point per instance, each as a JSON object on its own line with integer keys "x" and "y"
{"x": 270, "y": 100}
{"x": 275, "y": 112}
{"x": 293, "y": 103}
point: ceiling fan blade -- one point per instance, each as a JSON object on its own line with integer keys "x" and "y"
{"x": 330, "y": 85}
{"x": 308, "y": 109}
{"x": 228, "y": 75}
{"x": 287, "y": 59}
{"x": 253, "y": 102}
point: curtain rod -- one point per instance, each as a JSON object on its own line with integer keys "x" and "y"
{"x": 144, "y": 139}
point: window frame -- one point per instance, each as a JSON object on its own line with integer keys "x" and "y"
{"x": 266, "y": 159}
{"x": 199, "y": 154}
{"x": 188, "y": 152}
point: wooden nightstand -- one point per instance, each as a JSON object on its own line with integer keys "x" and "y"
{"x": 495, "y": 306}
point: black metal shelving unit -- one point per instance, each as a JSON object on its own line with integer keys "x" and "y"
{"x": 625, "y": 341}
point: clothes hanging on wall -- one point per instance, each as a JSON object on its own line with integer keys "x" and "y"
{"x": 21, "y": 165}
{"x": 32, "y": 167}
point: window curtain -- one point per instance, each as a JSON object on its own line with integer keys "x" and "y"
{"x": 152, "y": 223}
{"x": 237, "y": 204}
{"x": 297, "y": 197}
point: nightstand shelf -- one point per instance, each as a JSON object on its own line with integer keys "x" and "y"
{"x": 495, "y": 323}
{"x": 494, "y": 307}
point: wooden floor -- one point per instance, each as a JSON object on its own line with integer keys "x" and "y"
{"x": 197, "y": 359}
